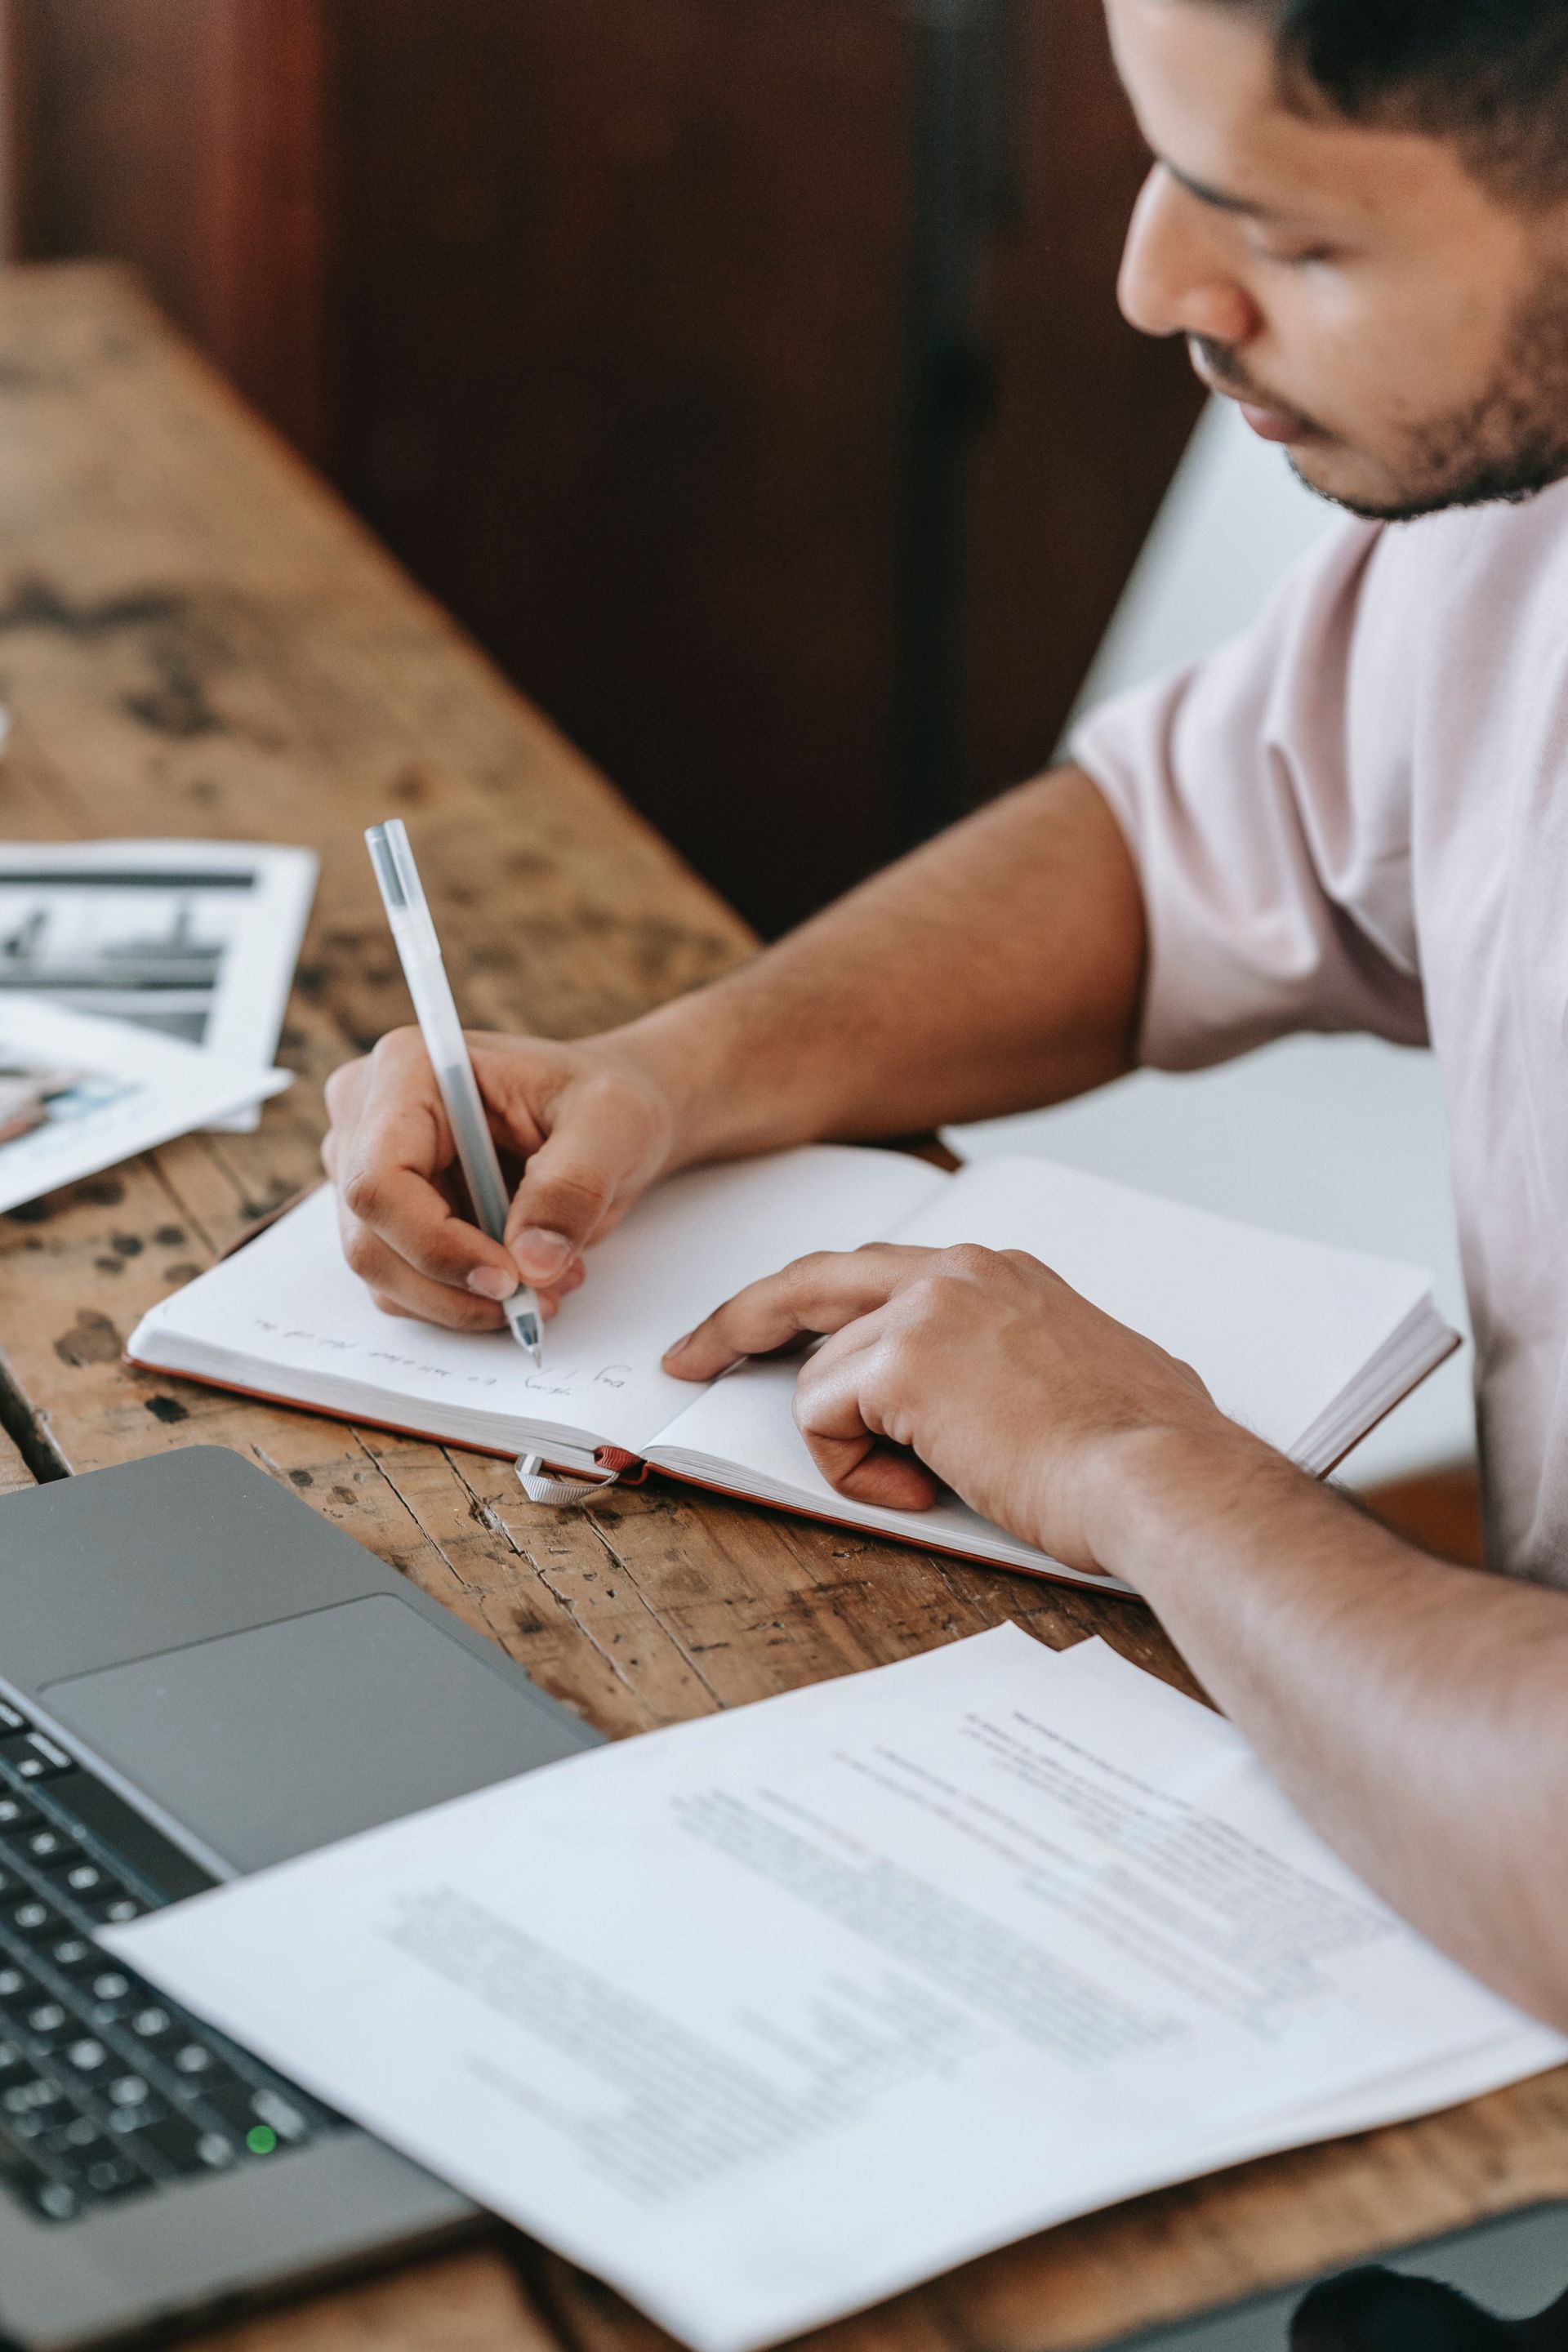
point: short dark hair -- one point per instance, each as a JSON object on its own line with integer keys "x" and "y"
{"x": 1491, "y": 75}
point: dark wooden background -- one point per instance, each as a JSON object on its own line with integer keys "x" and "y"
{"x": 595, "y": 310}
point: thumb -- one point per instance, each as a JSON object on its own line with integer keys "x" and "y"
{"x": 569, "y": 1186}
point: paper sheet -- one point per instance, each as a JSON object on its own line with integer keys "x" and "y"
{"x": 767, "y": 2016}
{"x": 110, "y": 1090}
{"x": 193, "y": 940}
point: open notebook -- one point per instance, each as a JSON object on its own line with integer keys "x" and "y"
{"x": 1306, "y": 1344}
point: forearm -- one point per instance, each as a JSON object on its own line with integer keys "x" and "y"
{"x": 1417, "y": 1713}
{"x": 995, "y": 968}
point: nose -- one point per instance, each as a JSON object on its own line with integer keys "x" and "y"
{"x": 1176, "y": 279}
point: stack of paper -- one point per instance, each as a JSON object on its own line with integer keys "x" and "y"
{"x": 767, "y": 2016}
{"x": 79, "y": 1095}
{"x": 142, "y": 990}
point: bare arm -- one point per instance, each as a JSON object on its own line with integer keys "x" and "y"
{"x": 1417, "y": 1713}
{"x": 997, "y": 968}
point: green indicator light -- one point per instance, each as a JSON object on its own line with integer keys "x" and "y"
{"x": 260, "y": 2139}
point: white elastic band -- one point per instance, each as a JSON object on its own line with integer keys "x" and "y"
{"x": 540, "y": 1487}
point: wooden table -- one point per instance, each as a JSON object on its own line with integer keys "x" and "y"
{"x": 195, "y": 638}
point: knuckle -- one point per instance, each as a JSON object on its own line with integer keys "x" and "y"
{"x": 363, "y": 1194}
{"x": 398, "y": 1050}
{"x": 342, "y": 1085}
{"x": 362, "y": 1252}
{"x": 444, "y": 1252}
{"x": 967, "y": 1258}
{"x": 466, "y": 1314}
{"x": 580, "y": 1186}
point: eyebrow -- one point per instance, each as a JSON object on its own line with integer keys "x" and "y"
{"x": 1220, "y": 198}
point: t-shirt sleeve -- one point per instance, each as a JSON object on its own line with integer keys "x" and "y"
{"x": 1265, "y": 793}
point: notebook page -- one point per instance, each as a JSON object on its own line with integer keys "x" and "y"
{"x": 1276, "y": 1327}
{"x": 286, "y": 1311}
{"x": 741, "y": 1434}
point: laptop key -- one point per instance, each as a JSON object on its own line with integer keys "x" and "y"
{"x": 199, "y": 2065}
{"x": 109, "y": 1990}
{"x": 36, "y": 1757}
{"x": 35, "y": 1919}
{"x": 258, "y": 2119}
{"x": 87, "y": 2057}
{"x": 90, "y": 2160}
{"x": 113, "y": 2175}
{"x": 116, "y": 1906}
{"x": 185, "y": 2146}
{"x": 75, "y": 1955}
{"x": 47, "y": 1844}
{"x": 129, "y": 2094}
{"x": 31, "y": 2104}
{"x": 48, "y": 2023}
{"x": 153, "y": 2026}
{"x": 80, "y": 2121}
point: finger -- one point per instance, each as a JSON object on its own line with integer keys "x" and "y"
{"x": 345, "y": 1090}
{"x": 387, "y": 1171}
{"x": 837, "y": 1413}
{"x": 570, "y": 1182}
{"x": 398, "y": 1289}
{"x": 820, "y": 1293}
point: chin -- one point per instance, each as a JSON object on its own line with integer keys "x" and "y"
{"x": 1335, "y": 473}
{"x": 1364, "y": 488}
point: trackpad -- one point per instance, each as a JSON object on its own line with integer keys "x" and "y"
{"x": 270, "y": 1742}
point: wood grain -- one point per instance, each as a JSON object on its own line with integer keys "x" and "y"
{"x": 14, "y": 1473}
{"x": 195, "y": 637}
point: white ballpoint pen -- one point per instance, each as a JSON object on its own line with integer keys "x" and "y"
{"x": 419, "y": 950}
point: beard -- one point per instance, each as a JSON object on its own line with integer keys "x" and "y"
{"x": 1508, "y": 444}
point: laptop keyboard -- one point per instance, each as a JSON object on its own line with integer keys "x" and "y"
{"x": 107, "y": 2089}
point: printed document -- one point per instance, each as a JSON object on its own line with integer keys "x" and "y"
{"x": 767, "y": 2016}
{"x": 193, "y": 940}
{"x": 78, "y": 1095}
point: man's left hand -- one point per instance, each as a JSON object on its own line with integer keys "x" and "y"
{"x": 979, "y": 1369}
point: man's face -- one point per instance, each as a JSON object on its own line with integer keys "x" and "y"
{"x": 1402, "y": 328}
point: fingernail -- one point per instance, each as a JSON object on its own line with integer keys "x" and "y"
{"x": 676, "y": 1346}
{"x": 492, "y": 1282}
{"x": 540, "y": 1253}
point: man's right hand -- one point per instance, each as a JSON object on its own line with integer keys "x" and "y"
{"x": 593, "y": 1128}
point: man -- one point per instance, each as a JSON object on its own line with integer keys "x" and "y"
{"x": 1356, "y": 817}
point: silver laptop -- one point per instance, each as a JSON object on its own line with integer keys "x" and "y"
{"x": 199, "y": 1675}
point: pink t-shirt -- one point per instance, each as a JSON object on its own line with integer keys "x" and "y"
{"x": 1356, "y": 817}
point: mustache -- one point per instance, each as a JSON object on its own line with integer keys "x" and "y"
{"x": 1219, "y": 366}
